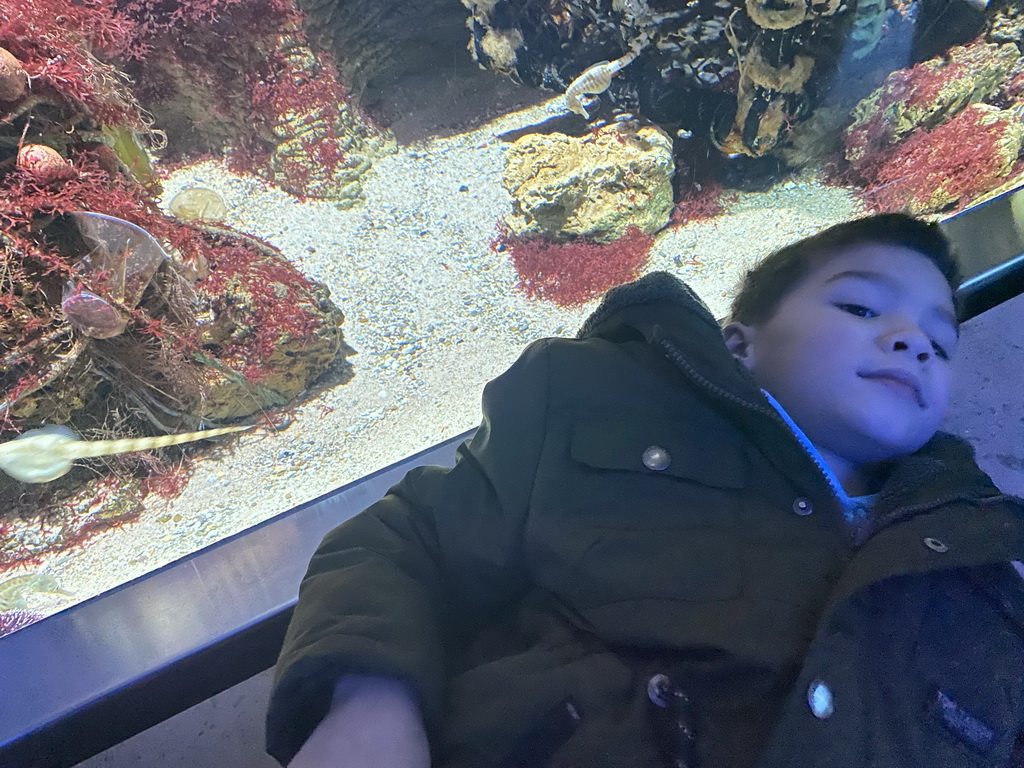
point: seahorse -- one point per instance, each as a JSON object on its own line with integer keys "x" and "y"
{"x": 44, "y": 454}
{"x": 596, "y": 79}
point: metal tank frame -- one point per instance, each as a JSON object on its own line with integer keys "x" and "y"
{"x": 91, "y": 676}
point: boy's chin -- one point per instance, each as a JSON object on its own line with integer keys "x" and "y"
{"x": 891, "y": 445}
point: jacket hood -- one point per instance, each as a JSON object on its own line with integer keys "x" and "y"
{"x": 628, "y": 304}
{"x": 660, "y": 307}
{"x": 671, "y": 316}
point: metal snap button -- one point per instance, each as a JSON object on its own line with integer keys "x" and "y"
{"x": 658, "y": 688}
{"x": 802, "y": 507}
{"x": 656, "y": 458}
{"x": 936, "y": 545}
{"x": 819, "y": 699}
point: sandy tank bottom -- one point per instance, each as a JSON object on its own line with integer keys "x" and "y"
{"x": 433, "y": 314}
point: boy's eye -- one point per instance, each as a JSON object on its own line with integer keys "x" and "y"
{"x": 857, "y": 309}
{"x": 861, "y": 311}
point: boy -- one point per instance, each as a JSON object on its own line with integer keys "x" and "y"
{"x": 660, "y": 549}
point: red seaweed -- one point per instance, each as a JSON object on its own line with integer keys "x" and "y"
{"x": 574, "y": 272}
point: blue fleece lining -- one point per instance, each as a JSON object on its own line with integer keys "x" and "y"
{"x": 855, "y": 508}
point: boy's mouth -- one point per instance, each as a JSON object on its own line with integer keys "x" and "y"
{"x": 899, "y": 380}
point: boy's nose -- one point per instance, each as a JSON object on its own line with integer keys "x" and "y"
{"x": 921, "y": 354}
{"x": 910, "y": 339}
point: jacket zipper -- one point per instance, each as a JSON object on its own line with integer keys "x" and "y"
{"x": 812, "y": 453}
{"x": 677, "y": 357}
{"x": 881, "y": 521}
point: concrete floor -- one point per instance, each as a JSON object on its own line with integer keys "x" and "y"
{"x": 223, "y": 732}
{"x": 227, "y": 730}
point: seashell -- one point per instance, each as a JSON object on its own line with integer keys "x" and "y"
{"x": 198, "y": 204}
{"x": 44, "y": 163}
{"x": 91, "y": 314}
{"x": 13, "y": 78}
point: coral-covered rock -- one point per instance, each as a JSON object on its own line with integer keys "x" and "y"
{"x": 968, "y": 156}
{"x": 324, "y": 148}
{"x": 13, "y": 78}
{"x": 267, "y": 331}
{"x": 253, "y": 88}
{"x": 924, "y": 96}
{"x": 44, "y": 164}
{"x": 1007, "y": 24}
{"x": 596, "y": 186}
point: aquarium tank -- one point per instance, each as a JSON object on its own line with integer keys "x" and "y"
{"x": 254, "y": 250}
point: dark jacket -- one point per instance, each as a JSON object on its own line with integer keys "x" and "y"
{"x": 547, "y": 595}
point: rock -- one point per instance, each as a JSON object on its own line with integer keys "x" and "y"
{"x": 595, "y": 186}
{"x": 379, "y": 42}
{"x": 267, "y": 332}
{"x": 973, "y": 153}
{"x": 254, "y": 88}
{"x": 925, "y": 96}
{"x": 324, "y": 148}
{"x": 13, "y": 79}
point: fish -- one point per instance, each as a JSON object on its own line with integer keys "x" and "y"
{"x": 12, "y": 591}
{"x": 44, "y": 454}
{"x": 595, "y": 79}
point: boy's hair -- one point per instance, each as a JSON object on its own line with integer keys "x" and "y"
{"x": 763, "y": 287}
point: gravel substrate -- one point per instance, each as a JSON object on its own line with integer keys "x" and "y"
{"x": 433, "y": 314}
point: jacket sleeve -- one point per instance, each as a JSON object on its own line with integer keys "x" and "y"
{"x": 388, "y": 590}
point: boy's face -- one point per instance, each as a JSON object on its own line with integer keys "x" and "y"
{"x": 829, "y": 354}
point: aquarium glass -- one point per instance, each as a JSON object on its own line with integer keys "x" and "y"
{"x": 319, "y": 229}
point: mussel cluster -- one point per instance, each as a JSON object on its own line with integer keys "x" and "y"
{"x": 738, "y": 73}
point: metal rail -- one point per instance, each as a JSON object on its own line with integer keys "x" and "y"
{"x": 101, "y": 671}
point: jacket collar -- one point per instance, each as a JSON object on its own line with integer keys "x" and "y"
{"x": 669, "y": 314}
{"x": 672, "y": 317}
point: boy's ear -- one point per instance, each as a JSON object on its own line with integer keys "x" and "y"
{"x": 738, "y": 340}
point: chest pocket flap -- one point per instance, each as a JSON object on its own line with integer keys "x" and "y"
{"x": 706, "y": 451}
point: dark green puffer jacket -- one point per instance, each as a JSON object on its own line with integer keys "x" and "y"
{"x": 530, "y": 594}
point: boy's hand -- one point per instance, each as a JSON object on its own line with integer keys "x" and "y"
{"x": 374, "y": 722}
